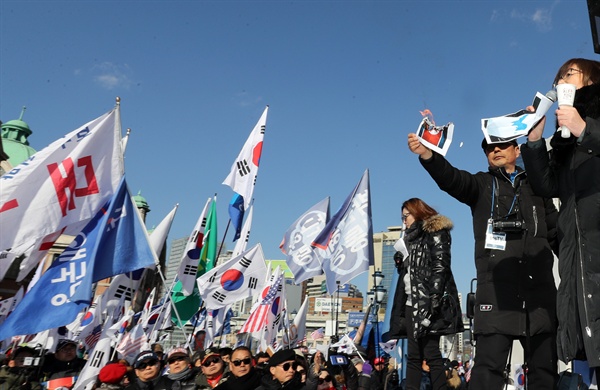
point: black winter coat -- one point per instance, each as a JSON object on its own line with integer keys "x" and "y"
{"x": 572, "y": 175}
{"x": 517, "y": 281}
{"x": 159, "y": 383}
{"x": 428, "y": 243}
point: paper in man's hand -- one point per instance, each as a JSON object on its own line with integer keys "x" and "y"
{"x": 512, "y": 126}
{"x": 436, "y": 138}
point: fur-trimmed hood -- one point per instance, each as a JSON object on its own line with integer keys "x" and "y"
{"x": 437, "y": 223}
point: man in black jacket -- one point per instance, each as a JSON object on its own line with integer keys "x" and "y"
{"x": 242, "y": 375}
{"x": 516, "y": 293}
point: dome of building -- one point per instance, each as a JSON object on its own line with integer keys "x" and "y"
{"x": 14, "y": 140}
{"x": 141, "y": 202}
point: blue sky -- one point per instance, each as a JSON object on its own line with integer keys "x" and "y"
{"x": 345, "y": 81}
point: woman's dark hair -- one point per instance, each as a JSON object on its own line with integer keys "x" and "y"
{"x": 419, "y": 209}
{"x": 589, "y": 69}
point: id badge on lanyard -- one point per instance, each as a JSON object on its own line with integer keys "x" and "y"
{"x": 493, "y": 240}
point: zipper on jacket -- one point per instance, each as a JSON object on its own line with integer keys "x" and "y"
{"x": 535, "y": 221}
{"x": 588, "y": 330}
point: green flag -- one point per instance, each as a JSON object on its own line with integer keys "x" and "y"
{"x": 187, "y": 306}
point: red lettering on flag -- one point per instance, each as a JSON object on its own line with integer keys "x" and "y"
{"x": 61, "y": 184}
{"x": 11, "y": 204}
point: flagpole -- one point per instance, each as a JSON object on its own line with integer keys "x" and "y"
{"x": 223, "y": 240}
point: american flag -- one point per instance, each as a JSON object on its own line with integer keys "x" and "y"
{"x": 318, "y": 334}
{"x": 468, "y": 373}
{"x": 92, "y": 338}
{"x": 258, "y": 318}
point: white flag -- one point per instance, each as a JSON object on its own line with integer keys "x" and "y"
{"x": 236, "y": 279}
{"x": 159, "y": 235}
{"x": 191, "y": 255}
{"x": 243, "y": 173}
{"x": 65, "y": 183}
{"x": 300, "y": 256}
{"x": 297, "y": 331}
{"x": 346, "y": 243}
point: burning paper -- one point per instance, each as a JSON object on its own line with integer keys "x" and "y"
{"x": 436, "y": 138}
{"x": 512, "y": 126}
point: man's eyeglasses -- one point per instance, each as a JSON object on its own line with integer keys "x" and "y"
{"x": 211, "y": 360}
{"x": 149, "y": 363}
{"x": 239, "y": 362}
{"x": 326, "y": 379}
{"x": 288, "y": 365}
{"x": 176, "y": 359}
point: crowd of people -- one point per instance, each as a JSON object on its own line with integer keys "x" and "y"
{"x": 213, "y": 368}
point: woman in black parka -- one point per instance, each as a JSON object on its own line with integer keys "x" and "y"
{"x": 426, "y": 302}
{"x": 571, "y": 172}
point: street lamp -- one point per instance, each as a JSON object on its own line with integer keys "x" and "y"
{"x": 378, "y": 294}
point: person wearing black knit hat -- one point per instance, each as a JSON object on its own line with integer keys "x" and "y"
{"x": 147, "y": 371}
{"x": 282, "y": 373}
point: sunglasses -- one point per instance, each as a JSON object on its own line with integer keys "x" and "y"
{"x": 211, "y": 360}
{"x": 176, "y": 359}
{"x": 288, "y": 365}
{"x": 326, "y": 379}
{"x": 149, "y": 363}
{"x": 239, "y": 362}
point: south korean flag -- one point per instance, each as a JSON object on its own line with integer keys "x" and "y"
{"x": 239, "y": 278}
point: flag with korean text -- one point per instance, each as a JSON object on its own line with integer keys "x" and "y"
{"x": 346, "y": 243}
{"x": 185, "y": 306}
{"x": 240, "y": 245}
{"x": 61, "y": 187}
{"x": 113, "y": 242}
{"x": 238, "y": 278}
{"x": 301, "y": 258}
{"x": 258, "y": 318}
{"x": 242, "y": 177}
{"x": 122, "y": 244}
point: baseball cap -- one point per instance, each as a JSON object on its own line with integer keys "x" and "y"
{"x": 144, "y": 356}
{"x": 208, "y": 352}
{"x": 178, "y": 352}
{"x": 63, "y": 343}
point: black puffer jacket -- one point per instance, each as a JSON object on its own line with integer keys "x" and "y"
{"x": 428, "y": 243}
{"x": 518, "y": 280}
{"x": 572, "y": 175}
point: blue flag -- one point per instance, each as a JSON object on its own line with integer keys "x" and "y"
{"x": 346, "y": 243}
{"x": 112, "y": 243}
{"x": 236, "y": 214}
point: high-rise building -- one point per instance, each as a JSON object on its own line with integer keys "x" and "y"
{"x": 383, "y": 246}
